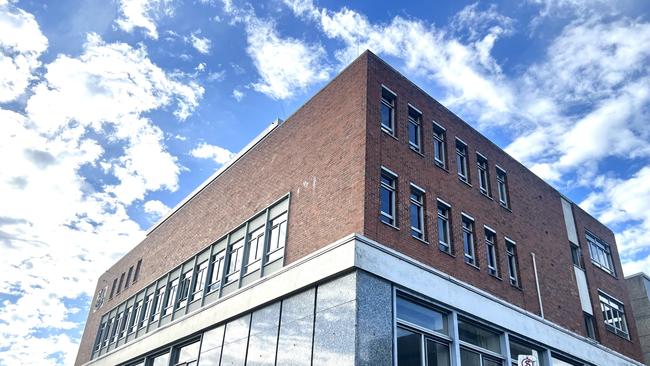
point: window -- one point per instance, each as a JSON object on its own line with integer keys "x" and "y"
{"x": 461, "y": 161}
{"x": 483, "y": 174}
{"x": 135, "y": 317}
{"x": 116, "y": 325}
{"x": 490, "y": 244}
{"x": 413, "y": 312}
{"x": 589, "y": 325}
{"x": 113, "y": 288}
{"x": 601, "y": 255}
{"x": 119, "y": 285}
{"x": 147, "y": 306}
{"x": 415, "y": 129}
{"x": 201, "y": 275}
{"x": 444, "y": 242}
{"x": 576, "y": 255}
{"x": 468, "y": 240}
{"x": 278, "y": 237}
{"x": 186, "y": 355}
{"x": 387, "y": 197}
{"x": 172, "y": 289}
{"x": 160, "y": 360}
{"x": 409, "y": 349}
{"x": 614, "y": 315}
{"x": 479, "y": 345}
{"x": 124, "y": 322}
{"x": 156, "y": 305}
{"x": 387, "y": 111}
{"x": 511, "y": 251}
{"x": 100, "y": 334}
{"x": 137, "y": 270}
{"x": 128, "y": 278}
{"x": 216, "y": 269}
{"x": 417, "y": 213}
{"x": 235, "y": 260}
{"x": 518, "y": 348}
{"x": 255, "y": 249}
{"x": 502, "y": 185}
{"x": 184, "y": 289}
{"x": 439, "y": 148}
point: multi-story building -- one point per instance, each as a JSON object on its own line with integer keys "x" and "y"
{"x": 639, "y": 287}
{"x": 372, "y": 227}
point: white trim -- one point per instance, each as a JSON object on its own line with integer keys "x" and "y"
{"x": 510, "y": 240}
{"x": 461, "y": 141}
{"x": 443, "y": 202}
{"x": 389, "y": 90}
{"x": 415, "y": 108}
{"x": 481, "y": 155}
{"x": 467, "y": 216}
{"x": 389, "y": 171}
{"x": 501, "y": 169}
{"x": 418, "y": 188}
{"x": 439, "y": 125}
{"x": 490, "y": 229}
{"x": 600, "y": 291}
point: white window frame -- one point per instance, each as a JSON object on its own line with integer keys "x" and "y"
{"x": 439, "y": 145}
{"x": 445, "y": 219}
{"x": 470, "y": 258}
{"x": 419, "y": 233}
{"x": 393, "y": 189}
{"x": 493, "y": 268}
{"x": 461, "y": 160}
{"x": 390, "y": 104}
{"x": 613, "y": 314}
{"x": 513, "y": 270}
{"x": 483, "y": 174}
{"x": 600, "y": 253}
{"x": 502, "y": 186}
{"x": 417, "y": 125}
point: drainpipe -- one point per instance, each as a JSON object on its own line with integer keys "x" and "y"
{"x": 539, "y": 294}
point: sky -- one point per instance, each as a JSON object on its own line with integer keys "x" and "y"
{"x": 112, "y": 111}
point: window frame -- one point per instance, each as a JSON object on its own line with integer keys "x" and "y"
{"x": 439, "y": 145}
{"x": 483, "y": 171}
{"x": 608, "y": 301}
{"x": 420, "y": 233}
{"x": 469, "y": 232}
{"x": 446, "y": 220}
{"x": 462, "y": 163}
{"x": 391, "y": 104}
{"x": 491, "y": 251}
{"x": 604, "y": 253}
{"x": 392, "y": 189}
{"x": 502, "y": 187}
{"x": 414, "y": 118}
{"x": 513, "y": 264}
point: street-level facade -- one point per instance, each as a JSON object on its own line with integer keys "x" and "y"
{"x": 372, "y": 227}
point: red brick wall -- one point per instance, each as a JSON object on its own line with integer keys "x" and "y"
{"x": 535, "y": 221}
{"x": 317, "y": 155}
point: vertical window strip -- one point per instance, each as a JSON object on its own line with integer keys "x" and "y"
{"x": 415, "y": 129}
{"x": 417, "y": 213}
{"x": 388, "y": 190}
{"x": 511, "y": 251}
{"x": 439, "y": 149}
{"x": 444, "y": 242}
{"x": 461, "y": 161}
{"x": 468, "y": 240}
{"x": 387, "y": 110}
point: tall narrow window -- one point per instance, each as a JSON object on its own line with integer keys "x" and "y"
{"x": 255, "y": 249}
{"x": 502, "y": 185}
{"x": 116, "y": 326}
{"x": 124, "y": 322}
{"x": 444, "y": 242}
{"x": 511, "y": 251}
{"x": 278, "y": 237}
{"x": 490, "y": 244}
{"x": 468, "y": 240}
{"x": 461, "y": 161}
{"x": 113, "y": 288}
{"x": 415, "y": 129}
{"x": 601, "y": 254}
{"x": 387, "y": 197}
{"x": 387, "y": 111}
{"x": 135, "y": 317}
{"x": 170, "y": 299}
{"x": 184, "y": 288}
{"x": 417, "y": 213}
{"x": 156, "y": 305}
{"x": 147, "y": 307}
{"x": 137, "y": 270}
{"x": 235, "y": 260}
{"x": 216, "y": 269}
{"x": 439, "y": 148}
{"x": 483, "y": 174}
{"x": 128, "y": 278}
{"x": 201, "y": 276}
{"x": 614, "y": 315}
{"x": 589, "y": 326}
{"x": 119, "y": 285}
{"x": 576, "y": 256}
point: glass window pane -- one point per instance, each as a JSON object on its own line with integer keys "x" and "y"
{"x": 408, "y": 348}
{"x": 491, "y": 362}
{"x": 211, "y": 347}
{"x": 479, "y": 336}
{"x": 386, "y": 201}
{"x": 162, "y": 360}
{"x": 386, "y": 116}
{"x": 187, "y": 353}
{"x": 469, "y": 358}
{"x": 423, "y": 316}
{"x": 518, "y": 348}
{"x": 437, "y": 354}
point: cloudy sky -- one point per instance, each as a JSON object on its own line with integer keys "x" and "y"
{"x": 112, "y": 111}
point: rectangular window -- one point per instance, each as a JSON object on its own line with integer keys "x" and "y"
{"x": 490, "y": 244}
{"x": 387, "y": 194}
{"x": 589, "y": 326}
{"x": 511, "y": 251}
{"x": 113, "y": 288}
{"x": 128, "y": 278}
{"x": 387, "y": 111}
{"x": 147, "y": 307}
{"x": 601, "y": 254}
{"x": 461, "y": 161}
{"x": 201, "y": 276}
{"x": 439, "y": 148}
{"x": 520, "y": 348}
{"x": 119, "y": 285}
{"x": 216, "y": 269}
{"x": 468, "y": 240}
{"x": 135, "y": 317}
{"x": 614, "y": 315}
{"x": 98, "y": 339}
{"x": 184, "y": 289}
{"x": 483, "y": 174}
{"x": 255, "y": 249}
{"x": 444, "y": 242}
{"x": 170, "y": 299}
{"x": 107, "y": 332}
{"x": 473, "y": 339}
{"x": 156, "y": 305}
{"x": 116, "y": 326}
{"x": 235, "y": 260}
{"x": 415, "y": 129}
{"x": 186, "y": 355}
{"x": 576, "y": 256}
{"x": 502, "y": 185}
{"x": 417, "y": 213}
{"x": 137, "y": 270}
{"x": 278, "y": 237}
{"x": 124, "y": 322}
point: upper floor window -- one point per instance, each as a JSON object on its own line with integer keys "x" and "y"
{"x": 184, "y": 288}
{"x": 417, "y": 212}
{"x": 502, "y": 186}
{"x": 387, "y": 197}
{"x": 468, "y": 240}
{"x": 461, "y": 161}
{"x": 444, "y": 242}
{"x": 170, "y": 299}
{"x": 128, "y": 278}
{"x": 483, "y": 174}
{"x": 511, "y": 251}
{"x": 490, "y": 244}
{"x": 576, "y": 255}
{"x": 601, "y": 254}
{"x": 255, "y": 249}
{"x": 415, "y": 129}
{"x": 235, "y": 257}
{"x": 135, "y": 317}
{"x": 614, "y": 315}
{"x": 387, "y": 111}
{"x": 200, "y": 278}
{"x": 439, "y": 148}
{"x": 216, "y": 269}
{"x": 278, "y": 230}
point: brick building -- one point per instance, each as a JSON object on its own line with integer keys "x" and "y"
{"x": 372, "y": 227}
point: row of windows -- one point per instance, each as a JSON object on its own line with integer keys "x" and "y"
{"x": 101, "y": 296}
{"x": 388, "y": 205}
{"x": 423, "y": 338}
{"x": 387, "y": 115}
{"x": 230, "y": 263}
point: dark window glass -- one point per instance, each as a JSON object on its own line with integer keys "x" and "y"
{"x": 492, "y": 261}
{"x": 421, "y": 315}
{"x": 387, "y": 198}
{"x": 137, "y": 270}
{"x": 479, "y": 336}
{"x": 468, "y": 240}
{"x": 439, "y": 150}
{"x": 511, "y": 251}
{"x": 461, "y": 161}
{"x": 415, "y": 129}
{"x": 409, "y": 348}
{"x": 437, "y": 353}
{"x": 483, "y": 174}
{"x": 502, "y": 185}
{"x": 387, "y": 110}
{"x": 128, "y": 278}
{"x": 417, "y": 213}
{"x": 443, "y": 228}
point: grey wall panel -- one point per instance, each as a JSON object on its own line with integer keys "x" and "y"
{"x": 264, "y": 336}
{"x": 235, "y": 342}
{"x": 296, "y": 329}
{"x": 374, "y": 321}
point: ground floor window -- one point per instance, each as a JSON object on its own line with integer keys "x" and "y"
{"x": 414, "y": 348}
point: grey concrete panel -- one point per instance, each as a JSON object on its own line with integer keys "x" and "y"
{"x": 296, "y": 329}
{"x": 264, "y": 336}
{"x": 374, "y": 321}
{"x": 334, "y": 335}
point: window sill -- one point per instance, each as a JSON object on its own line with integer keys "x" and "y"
{"x": 390, "y": 225}
{"x": 496, "y": 276}
{"x": 464, "y": 181}
{"x": 415, "y": 150}
{"x": 517, "y": 287}
{"x": 423, "y": 241}
{"x": 507, "y": 208}
{"x": 447, "y": 253}
{"x": 618, "y": 335}
{"x": 389, "y": 132}
{"x": 604, "y": 270}
{"x": 472, "y": 265}
{"x": 487, "y": 196}
{"x": 440, "y": 165}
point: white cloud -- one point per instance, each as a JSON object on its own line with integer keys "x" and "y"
{"x": 143, "y": 14}
{"x": 156, "y": 208}
{"x": 213, "y": 152}
{"x": 238, "y": 95}
{"x": 201, "y": 44}
{"x": 18, "y": 54}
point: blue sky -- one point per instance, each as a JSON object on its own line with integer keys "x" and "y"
{"x": 113, "y": 111}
